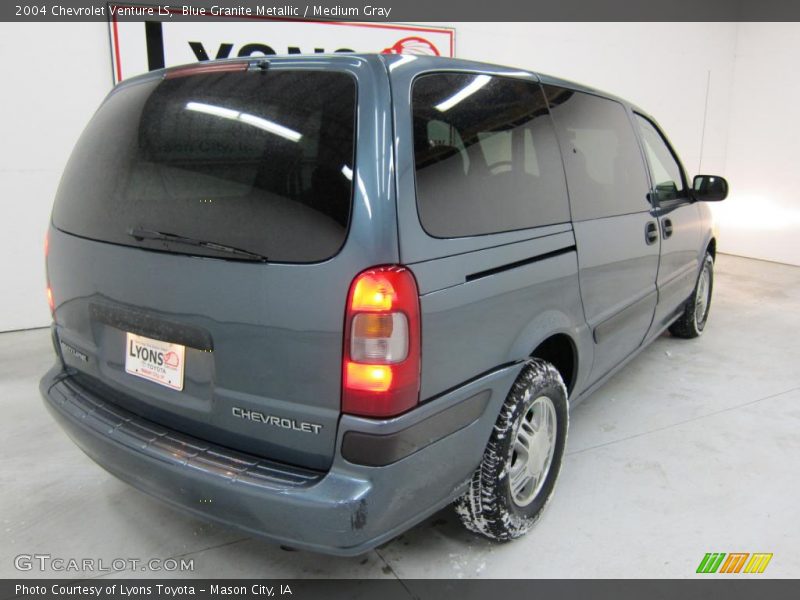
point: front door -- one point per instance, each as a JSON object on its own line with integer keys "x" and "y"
{"x": 679, "y": 222}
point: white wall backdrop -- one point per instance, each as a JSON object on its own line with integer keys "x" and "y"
{"x": 727, "y": 95}
{"x": 762, "y": 217}
{"x": 48, "y": 95}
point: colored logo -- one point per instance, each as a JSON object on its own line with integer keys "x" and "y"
{"x": 412, "y": 45}
{"x": 734, "y": 562}
{"x": 171, "y": 360}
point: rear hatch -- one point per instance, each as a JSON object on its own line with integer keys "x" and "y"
{"x": 195, "y": 254}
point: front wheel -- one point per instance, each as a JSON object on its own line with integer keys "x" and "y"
{"x": 520, "y": 465}
{"x": 695, "y": 313}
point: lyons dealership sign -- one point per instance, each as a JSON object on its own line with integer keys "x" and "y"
{"x": 138, "y": 47}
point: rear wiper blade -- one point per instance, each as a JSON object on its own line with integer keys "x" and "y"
{"x": 148, "y": 234}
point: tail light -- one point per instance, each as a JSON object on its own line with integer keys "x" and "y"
{"x": 50, "y": 301}
{"x": 381, "y": 367}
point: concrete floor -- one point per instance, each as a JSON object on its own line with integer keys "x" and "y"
{"x": 694, "y": 447}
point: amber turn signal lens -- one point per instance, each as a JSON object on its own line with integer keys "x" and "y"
{"x": 370, "y": 378}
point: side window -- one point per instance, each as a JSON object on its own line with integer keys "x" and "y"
{"x": 666, "y": 171}
{"x": 486, "y": 156}
{"x": 605, "y": 171}
{"x": 447, "y": 140}
{"x": 496, "y": 148}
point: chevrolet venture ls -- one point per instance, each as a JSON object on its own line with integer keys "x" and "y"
{"x": 320, "y": 298}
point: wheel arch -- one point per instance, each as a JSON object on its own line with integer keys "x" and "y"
{"x": 553, "y": 337}
{"x": 711, "y": 248}
{"x": 560, "y": 351}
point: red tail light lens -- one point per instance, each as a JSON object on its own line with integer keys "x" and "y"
{"x": 382, "y": 343}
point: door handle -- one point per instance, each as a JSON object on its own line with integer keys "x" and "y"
{"x": 666, "y": 228}
{"x": 651, "y": 232}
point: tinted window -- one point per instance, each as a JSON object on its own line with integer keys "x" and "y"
{"x": 257, "y": 161}
{"x": 486, "y": 156}
{"x": 605, "y": 171}
{"x": 666, "y": 171}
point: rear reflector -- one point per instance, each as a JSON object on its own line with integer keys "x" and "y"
{"x": 381, "y": 367}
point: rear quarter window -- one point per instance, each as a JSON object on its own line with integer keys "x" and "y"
{"x": 486, "y": 156}
{"x": 257, "y": 161}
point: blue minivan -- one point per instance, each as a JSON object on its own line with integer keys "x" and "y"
{"x": 320, "y": 298}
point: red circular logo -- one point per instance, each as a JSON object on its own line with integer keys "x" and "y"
{"x": 171, "y": 359}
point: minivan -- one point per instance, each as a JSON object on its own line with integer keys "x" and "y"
{"x": 319, "y": 298}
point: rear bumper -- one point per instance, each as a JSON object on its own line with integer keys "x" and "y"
{"x": 346, "y": 511}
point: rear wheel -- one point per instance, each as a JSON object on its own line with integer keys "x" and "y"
{"x": 520, "y": 465}
{"x": 695, "y": 313}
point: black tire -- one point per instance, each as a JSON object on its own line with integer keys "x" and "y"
{"x": 489, "y": 506}
{"x": 691, "y": 324}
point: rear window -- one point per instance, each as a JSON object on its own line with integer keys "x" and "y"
{"x": 260, "y": 162}
{"x": 486, "y": 155}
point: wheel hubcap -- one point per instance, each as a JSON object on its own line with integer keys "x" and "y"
{"x": 702, "y": 296}
{"x": 533, "y": 450}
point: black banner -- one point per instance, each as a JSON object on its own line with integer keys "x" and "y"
{"x": 395, "y": 589}
{"x": 404, "y": 10}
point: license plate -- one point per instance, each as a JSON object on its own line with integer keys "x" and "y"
{"x": 157, "y": 361}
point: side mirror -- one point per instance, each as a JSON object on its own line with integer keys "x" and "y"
{"x": 709, "y": 188}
